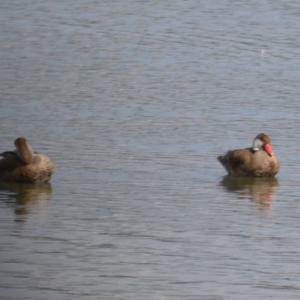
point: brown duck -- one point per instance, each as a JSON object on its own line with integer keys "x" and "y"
{"x": 25, "y": 165}
{"x": 257, "y": 161}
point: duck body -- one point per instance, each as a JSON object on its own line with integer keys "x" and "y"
{"x": 25, "y": 165}
{"x": 257, "y": 161}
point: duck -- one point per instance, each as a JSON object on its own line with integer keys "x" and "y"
{"x": 256, "y": 161}
{"x": 25, "y": 165}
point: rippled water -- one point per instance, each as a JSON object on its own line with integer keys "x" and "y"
{"x": 133, "y": 100}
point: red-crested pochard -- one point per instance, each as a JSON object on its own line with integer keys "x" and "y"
{"x": 257, "y": 161}
{"x": 25, "y": 165}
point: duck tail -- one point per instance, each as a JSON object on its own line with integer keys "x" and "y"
{"x": 223, "y": 159}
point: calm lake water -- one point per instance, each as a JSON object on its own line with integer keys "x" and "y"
{"x": 133, "y": 100}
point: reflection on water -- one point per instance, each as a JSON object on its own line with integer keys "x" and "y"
{"x": 26, "y": 198}
{"x": 260, "y": 190}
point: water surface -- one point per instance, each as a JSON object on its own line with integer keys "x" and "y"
{"x": 133, "y": 100}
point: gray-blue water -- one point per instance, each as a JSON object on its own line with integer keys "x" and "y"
{"x": 133, "y": 100}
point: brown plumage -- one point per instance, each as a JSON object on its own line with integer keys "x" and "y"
{"x": 25, "y": 165}
{"x": 257, "y": 161}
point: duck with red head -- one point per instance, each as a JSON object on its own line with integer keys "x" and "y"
{"x": 256, "y": 161}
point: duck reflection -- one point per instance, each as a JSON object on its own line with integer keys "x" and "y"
{"x": 26, "y": 198}
{"x": 260, "y": 190}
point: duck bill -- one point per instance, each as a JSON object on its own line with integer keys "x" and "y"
{"x": 268, "y": 149}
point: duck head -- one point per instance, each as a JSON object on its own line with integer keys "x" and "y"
{"x": 24, "y": 150}
{"x": 263, "y": 142}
